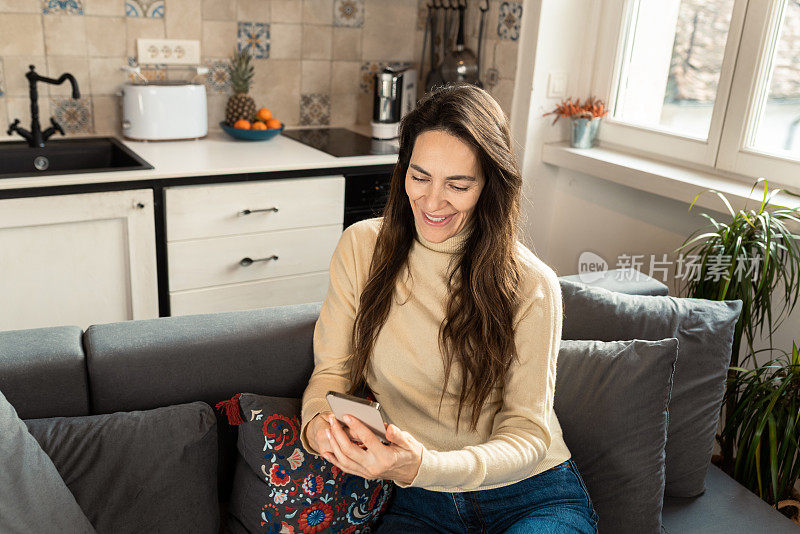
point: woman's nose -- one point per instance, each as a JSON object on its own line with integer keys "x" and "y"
{"x": 434, "y": 200}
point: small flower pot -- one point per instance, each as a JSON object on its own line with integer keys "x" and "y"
{"x": 583, "y": 133}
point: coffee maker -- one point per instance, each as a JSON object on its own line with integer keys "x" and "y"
{"x": 394, "y": 95}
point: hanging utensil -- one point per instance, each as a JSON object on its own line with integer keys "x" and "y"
{"x": 461, "y": 64}
{"x": 483, "y": 10}
{"x": 434, "y": 77}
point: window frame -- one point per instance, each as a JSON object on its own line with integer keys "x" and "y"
{"x": 609, "y": 51}
{"x": 750, "y": 88}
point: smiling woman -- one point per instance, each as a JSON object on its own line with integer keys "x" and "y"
{"x": 437, "y": 308}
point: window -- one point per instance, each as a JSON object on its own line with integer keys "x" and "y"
{"x": 715, "y": 83}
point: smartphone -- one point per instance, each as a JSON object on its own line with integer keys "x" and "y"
{"x": 368, "y": 412}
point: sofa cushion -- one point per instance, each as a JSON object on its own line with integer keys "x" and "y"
{"x": 33, "y": 496}
{"x": 136, "y": 365}
{"x": 612, "y": 400}
{"x": 280, "y": 487}
{"x": 625, "y": 280}
{"x": 140, "y": 471}
{"x": 704, "y": 329}
{"x": 43, "y": 371}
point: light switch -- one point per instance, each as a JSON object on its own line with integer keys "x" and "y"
{"x": 557, "y": 85}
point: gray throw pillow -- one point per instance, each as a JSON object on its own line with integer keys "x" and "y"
{"x": 139, "y": 471}
{"x": 612, "y": 400}
{"x": 704, "y": 329}
{"x": 33, "y": 497}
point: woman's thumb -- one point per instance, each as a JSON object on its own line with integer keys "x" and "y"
{"x": 396, "y": 435}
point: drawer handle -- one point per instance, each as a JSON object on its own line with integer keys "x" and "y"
{"x": 249, "y": 261}
{"x": 248, "y": 212}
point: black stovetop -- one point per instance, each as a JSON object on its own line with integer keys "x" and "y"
{"x": 341, "y": 142}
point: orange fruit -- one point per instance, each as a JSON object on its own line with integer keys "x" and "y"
{"x": 258, "y": 125}
{"x": 242, "y": 124}
{"x": 264, "y": 114}
{"x": 273, "y": 123}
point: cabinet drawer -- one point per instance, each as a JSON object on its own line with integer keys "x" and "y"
{"x": 198, "y": 211}
{"x": 251, "y": 295}
{"x": 215, "y": 261}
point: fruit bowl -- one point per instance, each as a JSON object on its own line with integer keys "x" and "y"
{"x": 250, "y": 135}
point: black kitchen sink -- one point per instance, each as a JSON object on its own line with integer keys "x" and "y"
{"x": 68, "y": 156}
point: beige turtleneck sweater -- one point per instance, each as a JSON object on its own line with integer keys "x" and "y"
{"x": 518, "y": 434}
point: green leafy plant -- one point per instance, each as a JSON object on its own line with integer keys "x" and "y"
{"x": 766, "y": 429}
{"x": 763, "y": 255}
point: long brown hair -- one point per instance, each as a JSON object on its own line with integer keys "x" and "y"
{"x": 478, "y": 330}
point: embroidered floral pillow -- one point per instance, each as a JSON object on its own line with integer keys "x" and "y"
{"x": 279, "y": 487}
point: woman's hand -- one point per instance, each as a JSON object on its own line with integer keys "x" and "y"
{"x": 400, "y": 460}
{"x": 316, "y": 432}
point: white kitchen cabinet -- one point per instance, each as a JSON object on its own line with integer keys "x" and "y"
{"x": 255, "y": 244}
{"x": 77, "y": 259}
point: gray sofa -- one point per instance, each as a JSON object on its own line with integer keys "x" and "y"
{"x": 139, "y": 365}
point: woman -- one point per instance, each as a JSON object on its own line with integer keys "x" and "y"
{"x": 437, "y": 308}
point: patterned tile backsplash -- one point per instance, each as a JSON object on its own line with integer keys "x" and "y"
{"x": 314, "y": 59}
{"x": 149, "y": 9}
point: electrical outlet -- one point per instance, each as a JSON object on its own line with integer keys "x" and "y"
{"x": 168, "y": 51}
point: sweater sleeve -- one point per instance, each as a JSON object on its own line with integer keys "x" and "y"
{"x": 332, "y": 341}
{"x": 520, "y": 432}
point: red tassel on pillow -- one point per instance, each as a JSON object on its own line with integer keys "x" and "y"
{"x": 231, "y": 407}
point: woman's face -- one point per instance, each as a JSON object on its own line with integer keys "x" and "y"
{"x": 443, "y": 179}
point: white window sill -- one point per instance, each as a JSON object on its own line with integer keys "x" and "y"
{"x": 665, "y": 179}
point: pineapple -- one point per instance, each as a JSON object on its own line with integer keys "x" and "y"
{"x": 240, "y": 105}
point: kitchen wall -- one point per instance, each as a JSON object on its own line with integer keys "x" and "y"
{"x": 314, "y": 58}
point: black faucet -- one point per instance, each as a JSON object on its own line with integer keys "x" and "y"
{"x": 36, "y": 137}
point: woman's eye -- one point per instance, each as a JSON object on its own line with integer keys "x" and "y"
{"x": 460, "y": 188}
{"x": 418, "y": 179}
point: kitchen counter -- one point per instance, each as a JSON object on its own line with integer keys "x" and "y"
{"x": 216, "y": 154}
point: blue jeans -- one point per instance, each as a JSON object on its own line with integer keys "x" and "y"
{"x": 553, "y": 501}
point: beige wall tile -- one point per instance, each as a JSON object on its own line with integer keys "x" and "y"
{"x": 316, "y": 76}
{"x": 139, "y": 28}
{"x": 345, "y": 77}
{"x": 318, "y": 11}
{"x": 15, "y": 67}
{"x": 505, "y": 58}
{"x": 20, "y": 108}
{"x": 106, "y": 75}
{"x": 281, "y": 94}
{"x": 363, "y": 108}
{"x": 285, "y": 40}
{"x": 219, "y": 38}
{"x": 387, "y": 31}
{"x": 77, "y": 66}
{"x": 22, "y": 34}
{"x": 317, "y": 41}
{"x": 4, "y": 121}
{"x": 219, "y": 9}
{"x": 183, "y": 19}
{"x": 286, "y": 11}
{"x": 344, "y": 109}
{"x": 503, "y": 92}
{"x": 112, "y": 8}
{"x": 20, "y": 6}
{"x": 346, "y": 43}
{"x": 105, "y": 36}
{"x": 65, "y": 35}
{"x": 216, "y": 111}
{"x": 253, "y": 10}
{"x": 107, "y": 113}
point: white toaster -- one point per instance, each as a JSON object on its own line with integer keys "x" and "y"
{"x": 164, "y": 110}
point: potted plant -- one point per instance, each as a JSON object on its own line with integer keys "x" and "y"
{"x": 585, "y": 118}
{"x": 766, "y": 430}
{"x": 763, "y": 254}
